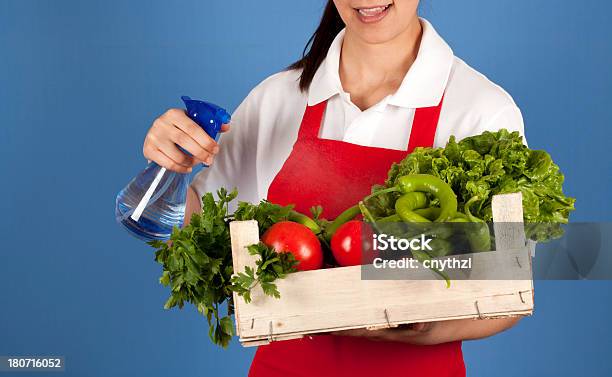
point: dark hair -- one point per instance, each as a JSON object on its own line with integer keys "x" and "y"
{"x": 317, "y": 46}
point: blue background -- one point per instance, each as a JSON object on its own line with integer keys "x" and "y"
{"x": 81, "y": 81}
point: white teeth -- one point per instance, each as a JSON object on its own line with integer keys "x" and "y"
{"x": 368, "y": 12}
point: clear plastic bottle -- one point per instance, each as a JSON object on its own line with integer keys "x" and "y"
{"x": 153, "y": 203}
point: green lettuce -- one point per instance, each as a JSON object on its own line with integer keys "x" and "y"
{"x": 485, "y": 165}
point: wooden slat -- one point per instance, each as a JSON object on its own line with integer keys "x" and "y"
{"x": 243, "y": 234}
{"x": 508, "y": 221}
{"x": 509, "y": 227}
{"x": 505, "y": 306}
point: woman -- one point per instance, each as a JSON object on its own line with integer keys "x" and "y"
{"x": 376, "y": 82}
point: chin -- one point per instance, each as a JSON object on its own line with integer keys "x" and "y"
{"x": 376, "y": 34}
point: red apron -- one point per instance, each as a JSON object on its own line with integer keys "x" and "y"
{"x": 336, "y": 175}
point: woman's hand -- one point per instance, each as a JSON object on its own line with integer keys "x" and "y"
{"x": 427, "y": 333}
{"x": 174, "y": 128}
{"x": 414, "y": 333}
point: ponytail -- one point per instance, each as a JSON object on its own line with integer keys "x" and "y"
{"x": 317, "y": 46}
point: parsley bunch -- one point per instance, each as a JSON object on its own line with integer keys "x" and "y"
{"x": 197, "y": 262}
{"x": 271, "y": 266}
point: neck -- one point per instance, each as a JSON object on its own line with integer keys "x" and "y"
{"x": 379, "y": 63}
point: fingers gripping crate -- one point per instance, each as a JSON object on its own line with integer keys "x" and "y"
{"x": 336, "y": 299}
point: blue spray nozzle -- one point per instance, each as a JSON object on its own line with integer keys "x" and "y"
{"x": 223, "y": 116}
{"x": 207, "y": 115}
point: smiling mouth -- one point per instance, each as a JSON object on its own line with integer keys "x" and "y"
{"x": 373, "y": 14}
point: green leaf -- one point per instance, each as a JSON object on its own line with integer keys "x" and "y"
{"x": 270, "y": 289}
{"x": 165, "y": 278}
{"x": 270, "y": 266}
{"x": 157, "y": 244}
{"x": 170, "y": 303}
{"x": 211, "y": 334}
{"x": 215, "y": 265}
{"x": 268, "y": 262}
{"x": 175, "y": 262}
{"x": 227, "y": 325}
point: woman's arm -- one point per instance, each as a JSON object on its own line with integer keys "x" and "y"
{"x": 192, "y": 205}
{"x": 429, "y": 333}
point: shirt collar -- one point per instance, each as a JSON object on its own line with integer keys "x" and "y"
{"x": 326, "y": 81}
{"x": 423, "y": 85}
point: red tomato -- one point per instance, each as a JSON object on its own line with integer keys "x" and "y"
{"x": 347, "y": 244}
{"x": 297, "y": 239}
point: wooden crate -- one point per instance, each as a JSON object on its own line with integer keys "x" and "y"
{"x": 338, "y": 299}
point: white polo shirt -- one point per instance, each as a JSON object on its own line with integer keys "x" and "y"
{"x": 265, "y": 125}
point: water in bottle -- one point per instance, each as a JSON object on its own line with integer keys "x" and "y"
{"x": 153, "y": 203}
